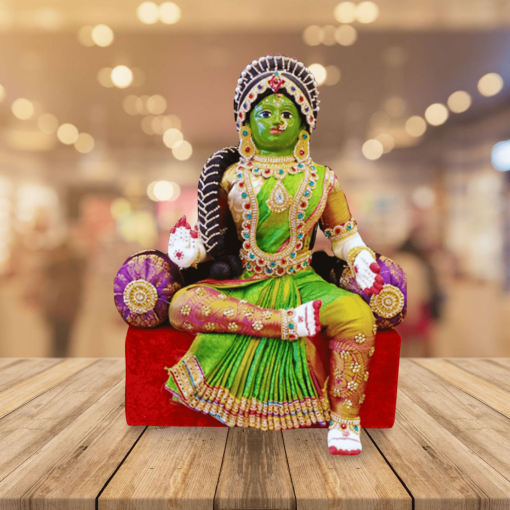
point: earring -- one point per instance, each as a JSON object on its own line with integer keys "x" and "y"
{"x": 302, "y": 148}
{"x": 246, "y": 146}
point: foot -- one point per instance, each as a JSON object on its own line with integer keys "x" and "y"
{"x": 307, "y": 319}
{"x": 343, "y": 442}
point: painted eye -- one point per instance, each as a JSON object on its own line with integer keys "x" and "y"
{"x": 287, "y": 115}
{"x": 265, "y": 114}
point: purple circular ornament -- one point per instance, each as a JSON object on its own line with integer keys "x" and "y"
{"x": 144, "y": 286}
{"x": 390, "y": 305}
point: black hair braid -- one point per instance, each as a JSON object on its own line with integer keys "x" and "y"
{"x": 223, "y": 248}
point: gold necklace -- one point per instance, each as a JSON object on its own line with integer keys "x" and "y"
{"x": 276, "y": 167}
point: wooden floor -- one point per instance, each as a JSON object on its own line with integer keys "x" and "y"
{"x": 65, "y": 445}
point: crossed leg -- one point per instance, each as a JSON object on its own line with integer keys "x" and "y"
{"x": 205, "y": 309}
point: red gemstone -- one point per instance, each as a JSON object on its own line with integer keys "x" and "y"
{"x": 337, "y": 230}
{"x": 284, "y": 261}
{"x": 280, "y": 271}
{"x": 300, "y": 226}
{"x": 251, "y": 96}
{"x": 247, "y": 149}
{"x": 301, "y": 98}
{"x": 343, "y": 425}
{"x": 241, "y": 184}
{"x": 303, "y": 204}
{"x": 247, "y": 206}
{"x": 301, "y": 152}
{"x": 261, "y": 262}
{"x": 240, "y": 115}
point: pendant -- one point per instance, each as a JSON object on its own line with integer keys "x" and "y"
{"x": 279, "y": 200}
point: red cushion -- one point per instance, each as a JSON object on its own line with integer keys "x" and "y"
{"x": 149, "y": 351}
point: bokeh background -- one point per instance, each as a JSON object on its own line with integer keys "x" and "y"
{"x": 109, "y": 109}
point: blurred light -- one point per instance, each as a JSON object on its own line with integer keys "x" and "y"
{"x": 2, "y": 93}
{"x": 47, "y": 123}
{"x": 156, "y": 104}
{"x": 122, "y": 76}
{"x": 67, "y": 133}
{"x": 346, "y": 35}
{"x": 120, "y": 207}
{"x": 387, "y": 142}
{"x": 372, "y": 149}
{"x": 160, "y": 191}
{"x": 148, "y": 13}
{"x": 319, "y": 72}
{"x": 156, "y": 125}
{"x": 312, "y": 35}
{"x": 171, "y": 121}
{"x": 345, "y": 12}
{"x": 171, "y": 137}
{"x": 424, "y": 197}
{"x": 22, "y": 108}
{"x": 138, "y": 77}
{"x": 380, "y": 120}
{"x": 395, "y": 106}
{"x": 415, "y": 126}
{"x": 436, "y": 114}
{"x": 182, "y": 150}
{"x": 367, "y": 12}
{"x": 459, "y": 101}
{"x": 102, "y": 35}
{"x": 328, "y": 35}
{"x": 104, "y": 77}
{"x": 147, "y": 125}
{"x": 169, "y": 13}
{"x": 84, "y": 143}
{"x": 490, "y": 84}
{"x": 500, "y": 156}
{"x": 85, "y": 36}
{"x": 333, "y": 75}
{"x": 48, "y": 18}
{"x": 141, "y": 105}
{"x": 130, "y": 105}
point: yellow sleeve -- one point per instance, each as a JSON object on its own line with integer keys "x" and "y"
{"x": 229, "y": 178}
{"x": 337, "y": 221}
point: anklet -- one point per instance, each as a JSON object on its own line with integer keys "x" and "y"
{"x": 342, "y": 424}
{"x": 288, "y": 325}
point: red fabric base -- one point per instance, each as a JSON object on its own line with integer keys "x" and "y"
{"x": 149, "y": 351}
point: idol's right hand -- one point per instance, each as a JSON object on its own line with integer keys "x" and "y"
{"x": 185, "y": 247}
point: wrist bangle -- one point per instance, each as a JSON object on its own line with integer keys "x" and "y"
{"x": 288, "y": 325}
{"x": 354, "y": 252}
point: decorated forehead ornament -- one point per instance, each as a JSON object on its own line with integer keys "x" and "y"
{"x": 277, "y": 74}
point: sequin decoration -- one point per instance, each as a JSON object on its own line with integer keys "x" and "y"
{"x": 388, "y": 303}
{"x": 140, "y": 296}
{"x": 279, "y": 200}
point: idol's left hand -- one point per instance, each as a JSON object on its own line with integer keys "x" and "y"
{"x": 367, "y": 271}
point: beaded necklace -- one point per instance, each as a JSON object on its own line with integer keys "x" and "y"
{"x": 287, "y": 260}
{"x": 276, "y": 167}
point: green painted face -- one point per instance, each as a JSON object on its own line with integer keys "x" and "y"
{"x": 275, "y": 125}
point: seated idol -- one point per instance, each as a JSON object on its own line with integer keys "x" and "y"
{"x": 252, "y": 363}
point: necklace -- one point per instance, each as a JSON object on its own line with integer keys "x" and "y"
{"x": 275, "y": 167}
{"x": 288, "y": 260}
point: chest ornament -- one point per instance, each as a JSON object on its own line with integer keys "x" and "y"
{"x": 280, "y": 199}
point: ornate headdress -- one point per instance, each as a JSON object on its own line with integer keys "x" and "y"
{"x": 275, "y": 73}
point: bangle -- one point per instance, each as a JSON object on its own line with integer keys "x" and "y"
{"x": 288, "y": 325}
{"x": 354, "y": 252}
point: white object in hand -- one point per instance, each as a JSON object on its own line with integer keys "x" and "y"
{"x": 185, "y": 247}
{"x": 365, "y": 276}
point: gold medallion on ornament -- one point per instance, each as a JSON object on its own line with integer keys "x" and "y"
{"x": 388, "y": 303}
{"x": 140, "y": 296}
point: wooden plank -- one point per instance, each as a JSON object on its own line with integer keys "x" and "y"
{"x": 323, "y": 481}
{"x": 494, "y": 370}
{"x": 255, "y": 474}
{"x": 26, "y": 390}
{"x": 29, "y": 427}
{"x": 69, "y": 471}
{"x": 438, "y": 469}
{"x": 483, "y": 390}
{"x": 482, "y": 429}
{"x": 170, "y": 467}
{"x": 20, "y": 369}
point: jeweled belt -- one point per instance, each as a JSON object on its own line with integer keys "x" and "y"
{"x": 292, "y": 264}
